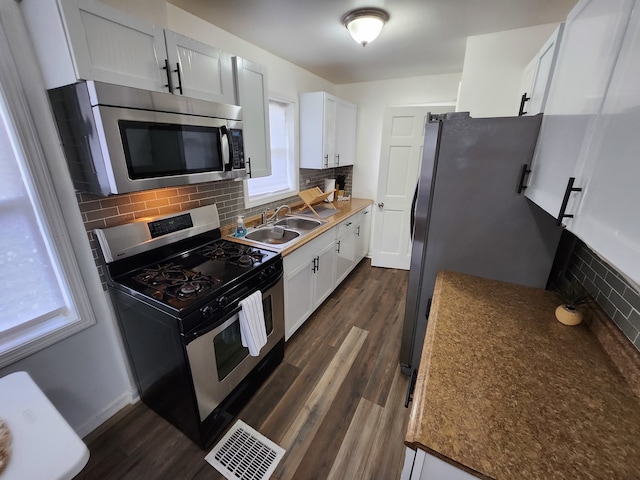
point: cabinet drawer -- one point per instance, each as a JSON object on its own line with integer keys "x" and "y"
{"x": 308, "y": 251}
{"x": 346, "y": 225}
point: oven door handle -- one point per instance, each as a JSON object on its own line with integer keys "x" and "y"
{"x": 191, "y": 336}
{"x": 187, "y": 339}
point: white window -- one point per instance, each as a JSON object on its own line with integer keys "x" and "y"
{"x": 38, "y": 306}
{"x": 283, "y": 181}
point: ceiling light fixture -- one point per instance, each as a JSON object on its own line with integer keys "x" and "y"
{"x": 365, "y": 24}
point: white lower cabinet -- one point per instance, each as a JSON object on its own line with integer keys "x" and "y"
{"x": 345, "y": 248}
{"x": 309, "y": 278}
{"x": 419, "y": 465}
{"x": 363, "y": 233}
{"x": 316, "y": 269}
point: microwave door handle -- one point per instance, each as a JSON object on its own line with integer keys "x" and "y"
{"x": 224, "y": 145}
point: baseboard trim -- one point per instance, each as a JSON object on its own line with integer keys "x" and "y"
{"x": 116, "y": 408}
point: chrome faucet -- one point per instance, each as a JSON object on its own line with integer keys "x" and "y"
{"x": 274, "y": 216}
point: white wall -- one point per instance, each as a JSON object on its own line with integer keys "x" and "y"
{"x": 372, "y": 99}
{"x": 493, "y": 68}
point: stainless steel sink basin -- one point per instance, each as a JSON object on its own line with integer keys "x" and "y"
{"x": 300, "y": 224}
{"x": 272, "y": 236}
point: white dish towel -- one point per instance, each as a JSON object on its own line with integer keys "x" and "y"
{"x": 252, "y": 328}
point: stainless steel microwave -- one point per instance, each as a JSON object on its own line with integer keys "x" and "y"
{"x": 119, "y": 139}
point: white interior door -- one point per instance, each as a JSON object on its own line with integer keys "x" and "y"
{"x": 400, "y": 158}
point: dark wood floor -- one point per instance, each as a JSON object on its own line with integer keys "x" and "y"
{"x": 336, "y": 403}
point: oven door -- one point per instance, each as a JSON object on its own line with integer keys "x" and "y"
{"x": 219, "y": 362}
{"x": 145, "y": 149}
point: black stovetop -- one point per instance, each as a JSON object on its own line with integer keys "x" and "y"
{"x": 180, "y": 280}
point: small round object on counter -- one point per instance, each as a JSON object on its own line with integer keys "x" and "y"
{"x": 5, "y": 445}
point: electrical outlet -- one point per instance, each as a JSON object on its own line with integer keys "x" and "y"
{"x": 307, "y": 181}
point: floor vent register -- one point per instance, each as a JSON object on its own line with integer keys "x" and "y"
{"x": 245, "y": 454}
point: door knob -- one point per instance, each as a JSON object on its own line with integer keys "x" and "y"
{"x": 381, "y": 205}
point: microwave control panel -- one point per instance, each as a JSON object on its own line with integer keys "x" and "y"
{"x": 237, "y": 148}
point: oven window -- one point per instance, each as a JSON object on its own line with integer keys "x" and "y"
{"x": 228, "y": 343}
{"x": 158, "y": 150}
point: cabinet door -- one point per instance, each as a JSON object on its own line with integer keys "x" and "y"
{"x": 346, "y": 114}
{"x": 329, "y": 131}
{"x": 363, "y": 232}
{"x": 590, "y": 44}
{"x": 325, "y": 275}
{"x": 199, "y": 70}
{"x": 113, "y": 47}
{"x": 318, "y": 112}
{"x": 298, "y": 297}
{"x": 345, "y": 248}
{"x": 252, "y": 96}
{"x": 526, "y": 83}
{"x": 545, "y": 65}
{"x": 608, "y": 219}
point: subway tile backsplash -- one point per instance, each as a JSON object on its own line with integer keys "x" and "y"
{"x": 228, "y": 195}
{"x": 617, "y": 297}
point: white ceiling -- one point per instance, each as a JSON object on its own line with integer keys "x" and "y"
{"x": 422, "y": 37}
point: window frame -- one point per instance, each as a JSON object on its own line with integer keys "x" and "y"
{"x": 22, "y": 91}
{"x": 292, "y": 121}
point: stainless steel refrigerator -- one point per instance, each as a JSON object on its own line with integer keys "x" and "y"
{"x": 469, "y": 217}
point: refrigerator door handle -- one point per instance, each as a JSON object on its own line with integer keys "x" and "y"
{"x": 411, "y": 387}
{"x": 413, "y": 210}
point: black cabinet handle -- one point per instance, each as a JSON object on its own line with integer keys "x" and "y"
{"x": 565, "y": 200}
{"x": 167, "y": 69}
{"x": 411, "y": 387}
{"x": 338, "y": 245}
{"x": 523, "y": 100}
{"x": 248, "y": 162}
{"x": 177, "y": 70}
{"x": 525, "y": 170}
{"x": 317, "y": 260}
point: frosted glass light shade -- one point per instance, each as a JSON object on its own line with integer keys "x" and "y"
{"x": 365, "y": 25}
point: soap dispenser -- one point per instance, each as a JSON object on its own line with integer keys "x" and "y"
{"x": 241, "y": 230}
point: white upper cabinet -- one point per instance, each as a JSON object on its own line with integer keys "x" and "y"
{"x": 252, "y": 95}
{"x": 590, "y": 44}
{"x": 88, "y": 40}
{"x": 608, "y": 218}
{"x": 199, "y": 70}
{"x": 346, "y": 114}
{"x": 327, "y": 131}
{"x": 540, "y": 72}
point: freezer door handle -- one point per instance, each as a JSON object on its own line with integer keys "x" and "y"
{"x": 412, "y": 220}
{"x": 525, "y": 171}
{"x": 411, "y": 387}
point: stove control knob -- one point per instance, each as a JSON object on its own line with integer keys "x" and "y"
{"x": 223, "y": 301}
{"x": 206, "y": 311}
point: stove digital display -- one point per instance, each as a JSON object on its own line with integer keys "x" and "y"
{"x": 170, "y": 225}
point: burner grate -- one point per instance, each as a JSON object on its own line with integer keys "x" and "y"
{"x": 233, "y": 253}
{"x": 245, "y": 454}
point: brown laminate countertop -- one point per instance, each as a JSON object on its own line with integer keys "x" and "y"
{"x": 505, "y": 391}
{"x": 344, "y": 210}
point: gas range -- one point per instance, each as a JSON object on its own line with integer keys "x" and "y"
{"x": 180, "y": 292}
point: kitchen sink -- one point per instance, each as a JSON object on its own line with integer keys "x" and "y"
{"x": 300, "y": 224}
{"x": 272, "y": 236}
